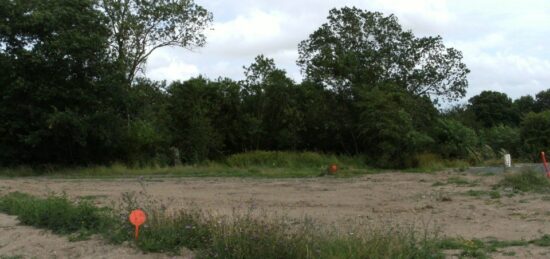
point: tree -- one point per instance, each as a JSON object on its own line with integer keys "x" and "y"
{"x": 453, "y": 139}
{"x": 542, "y": 102}
{"x": 503, "y": 138}
{"x": 535, "y": 133}
{"x": 493, "y": 108}
{"x": 361, "y": 48}
{"x": 139, "y": 27}
{"x": 191, "y": 107}
{"x": 56, "y": 85}
{"x": 270, "y": 99}
{"x": 386, "y": 126}
{"x": 525, "y": 105}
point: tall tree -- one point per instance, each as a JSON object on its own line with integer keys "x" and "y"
{"x": 525, "y": 104}
{"x": 542, "y": 102}
{"x": 272, "y": 108}
{"x": 361, "y": 48}
{"x": 139, "y": 27}
{"x": 56, "y": 86}
{"x": 493, "y": 108}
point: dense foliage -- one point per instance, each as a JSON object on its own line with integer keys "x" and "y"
{"x": 70, "y": 95}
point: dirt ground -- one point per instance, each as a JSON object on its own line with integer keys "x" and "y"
{"x": 438, "y": 200}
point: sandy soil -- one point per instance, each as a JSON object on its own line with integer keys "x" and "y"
{"x": 399, "y": 197}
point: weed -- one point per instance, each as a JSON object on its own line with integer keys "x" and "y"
{"x": 438, "y": 183}
{"x": 479, "y": 193}
{"x": 542, "y": 241}
{"x": 56, "y": 213}
{"x": 477, "y": 248}
{"x": 494, "y": 194}
{"x": 461, "y": 181}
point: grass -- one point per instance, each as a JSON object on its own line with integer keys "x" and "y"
{"x": 255, "y": 164}
{"x": 250, "y": 234}
{"x": 479, "y": 193}
{"x": 458, "y": 181}
{"x": 429, "y": 163}
{"x": 258, "y": 164}
{"x": 242, "y": 235}
{"x": 476, "y": 248}
{"x": 527, "y": 181}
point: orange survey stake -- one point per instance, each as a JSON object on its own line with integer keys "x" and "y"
{"x": 137, "y": 218}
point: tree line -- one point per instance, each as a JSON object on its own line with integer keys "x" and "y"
{"x": 72, "y": 93}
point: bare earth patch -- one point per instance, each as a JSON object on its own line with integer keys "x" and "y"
{"x": 440, "y": 200}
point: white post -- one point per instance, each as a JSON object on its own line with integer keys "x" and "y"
{"x": 507, "y": 160}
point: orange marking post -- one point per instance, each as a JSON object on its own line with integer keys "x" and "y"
{"x": 332, "y": 169}
{"x": 137, "y": 218}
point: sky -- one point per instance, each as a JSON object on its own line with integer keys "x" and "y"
{"x": 505, "y": 43}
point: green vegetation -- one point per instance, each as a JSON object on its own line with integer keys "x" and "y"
{"x": 248, "y": 235}
{"x": 72, "y": 96}
{"x": 260, "y": 164}
{"x": 543, "y": 241}
{"x": 478, "y": 193}
{"x": 477, "y": 248}
{"x": 527, "y": 181}
{"x": 56, "y": 213}
{"x": 455, "y": 180}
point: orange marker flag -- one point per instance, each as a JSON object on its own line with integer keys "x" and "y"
{"x": 137, "y": 218}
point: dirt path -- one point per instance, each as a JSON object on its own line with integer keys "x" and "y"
{"x": 435, "y": 199}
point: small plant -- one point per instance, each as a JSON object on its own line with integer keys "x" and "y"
{"x": 460, "y": 181}
{"x": 543, "y": 241}
{"x": 494, "y": 194}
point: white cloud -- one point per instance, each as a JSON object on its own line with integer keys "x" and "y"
{"x": 164, "y": 66}
{"x": 504, "y": 42}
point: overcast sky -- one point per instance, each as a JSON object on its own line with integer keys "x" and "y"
{"x": 506, "y": 44}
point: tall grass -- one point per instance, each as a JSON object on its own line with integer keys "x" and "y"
{"x": 56, "y": 213}
{"x": 241, "y": 235}
{"x": 526, "y": 181}
{"x": 292, "y": 160}
{"x": 263, "y": 164}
